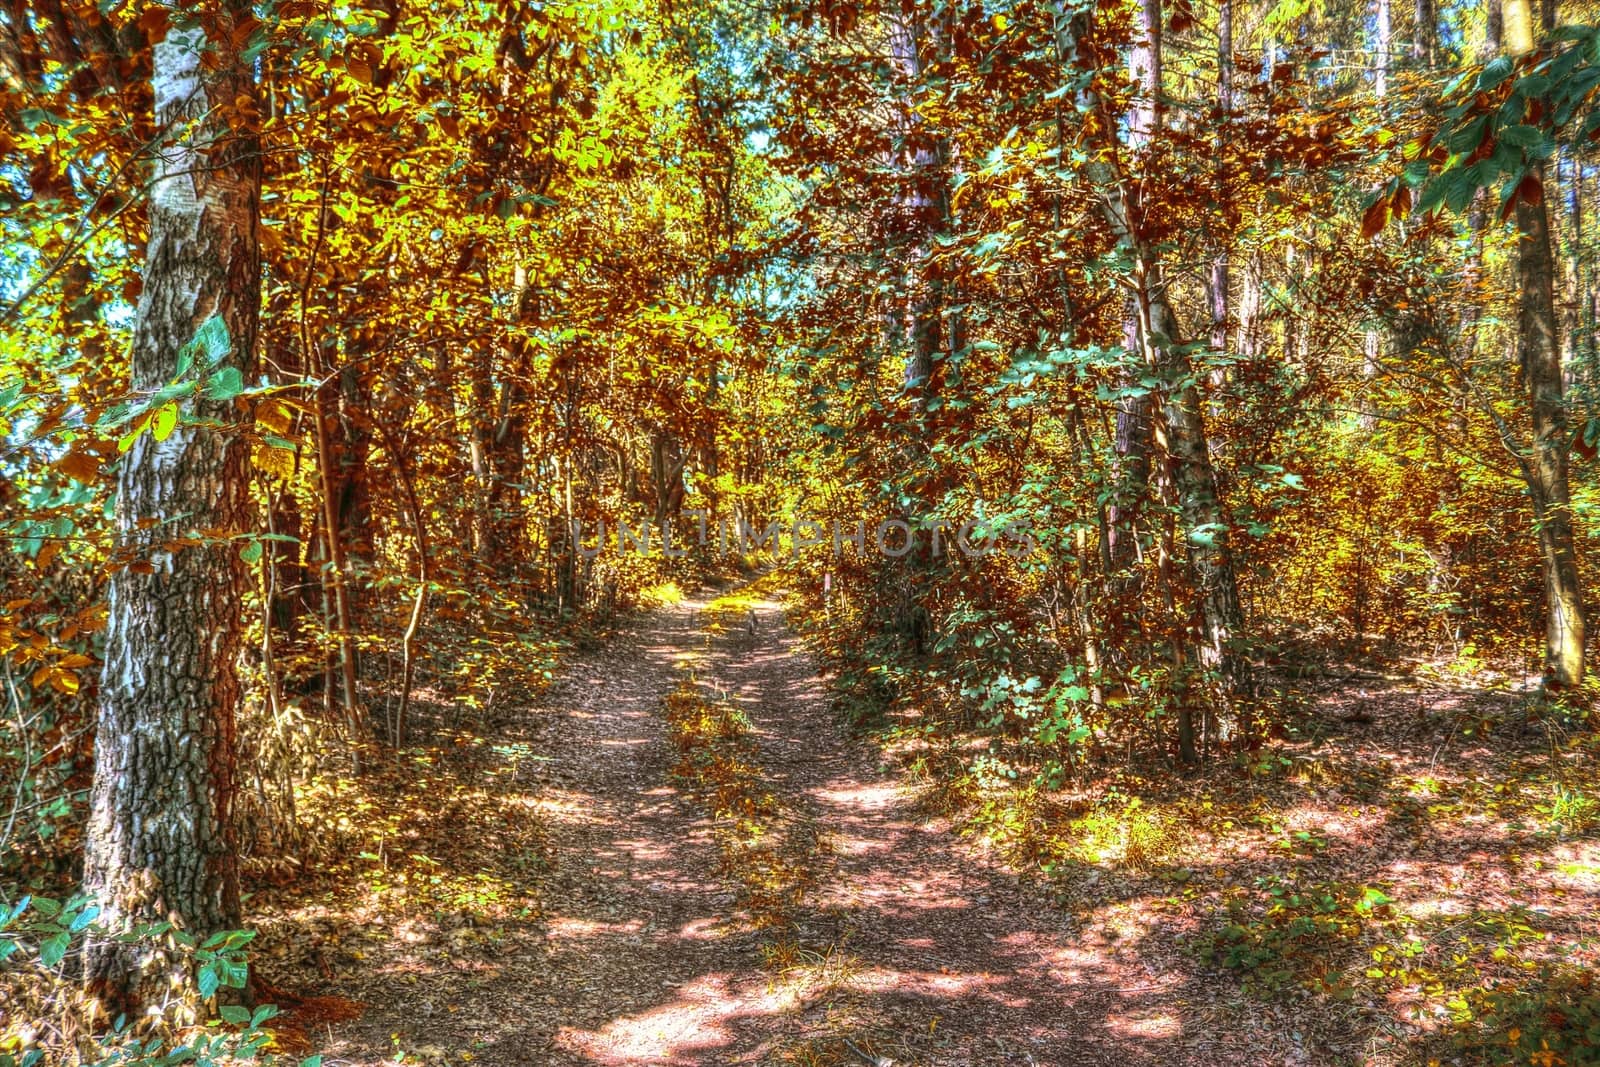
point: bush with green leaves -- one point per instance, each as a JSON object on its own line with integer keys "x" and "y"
{"x": 1551, "y": 1019}
{"x": 41, "y": 943}
{"x": 1293, "y": 932}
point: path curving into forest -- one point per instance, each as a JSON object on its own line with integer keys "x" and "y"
{"x": 914, "y": 946}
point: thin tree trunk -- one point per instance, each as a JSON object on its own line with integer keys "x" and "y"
{"x": 160, "y": 842}
{"x": 1372, "y": 339}
{"x": 1134, "y": 428}
{"x": 419, "y": 537}
{"x": 336, "y": 577}
{"x": 1209, "y": 545}
{"x": 1219, "y": 258}
{"x": 1385, "y": 35}
{"x": 1426, "y": 42}
{"x": 924, "y": 206}
{"x": 333, "y": 577}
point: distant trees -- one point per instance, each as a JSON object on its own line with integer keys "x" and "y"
{"x": 1207, "y": 482}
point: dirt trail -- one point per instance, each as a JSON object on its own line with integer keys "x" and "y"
{"x": 916, "y": 948}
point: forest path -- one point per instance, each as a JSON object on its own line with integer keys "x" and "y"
{"x": 907, "y": 946}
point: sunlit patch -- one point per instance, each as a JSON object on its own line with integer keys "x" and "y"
{"x": 710, "y": 928}
{"x": 863, "y": 797}
{"x": 568, "y": 807}
{"x": 861, "y": 847}
{"x": 900, "y": 898}
{"x": 646, "y": 850}
{"x": 682, "y": 1031}
{"x": 1153, "y": 1024}
{"x": 884, "y": 981}
{"x": 561, "y": 926}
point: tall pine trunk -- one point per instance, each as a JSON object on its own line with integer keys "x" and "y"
{"x": 160, "y": 841}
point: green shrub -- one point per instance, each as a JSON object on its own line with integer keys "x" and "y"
{"x": 40, "y": 941}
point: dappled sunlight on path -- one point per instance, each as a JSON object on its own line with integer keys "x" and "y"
{"x": 908, "y": 944}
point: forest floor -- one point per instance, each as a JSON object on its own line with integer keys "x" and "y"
{"x": 584, "y": 881}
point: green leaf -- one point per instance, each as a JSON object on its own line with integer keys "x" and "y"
{"x": 34, "y": 117}
{"x": 1495, "y": 72}
{"x": 166, "y": 419}
{"x": 1523, "y": 136}
{"x": 212, "y": 339}
{"x": 1433, "y": 194}
{"x": 53, "y": 949}
{"x": 209, "y": 980}
{"x": 225, "y": 383}
{"x": 1460, "y": 190}
{"x": 1533, "y": 85}
{"x": 1416, "y": 173}
{"x": 1470, "y": 136}
{"x": 251, "y": 552}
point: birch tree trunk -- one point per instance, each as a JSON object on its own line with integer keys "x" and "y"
{"x": 1218, "y": 282}
{"x": 160, "y": 840}
{"x": 924, "y": 207}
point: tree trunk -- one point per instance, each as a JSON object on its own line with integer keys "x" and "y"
{"x": 1539, "y": 356}
{"x": 1208, "y": 542}
{"x": 160, "y": 839}
{"x": 1539, "y": 352}
{"x": 1218, "y": 283}
{"x": 1372, "y": 339}
{"x": 1385, "y": 40}
{"x": 1426, "y": 42}
{"x": 1134, "y": 429}
{"x": 924, "y": 208}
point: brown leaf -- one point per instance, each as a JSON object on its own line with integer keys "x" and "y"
{"x": 1374, "y": 220}
{"x": 154, "y": 22}
{"x": 79, "y": 466}
{"x": 1400, "y": 203}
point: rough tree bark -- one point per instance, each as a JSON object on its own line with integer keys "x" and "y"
{"x": 1539, "y": 352}
{"x": 1544, "y": 469}
{"x": 160, "y": 839}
